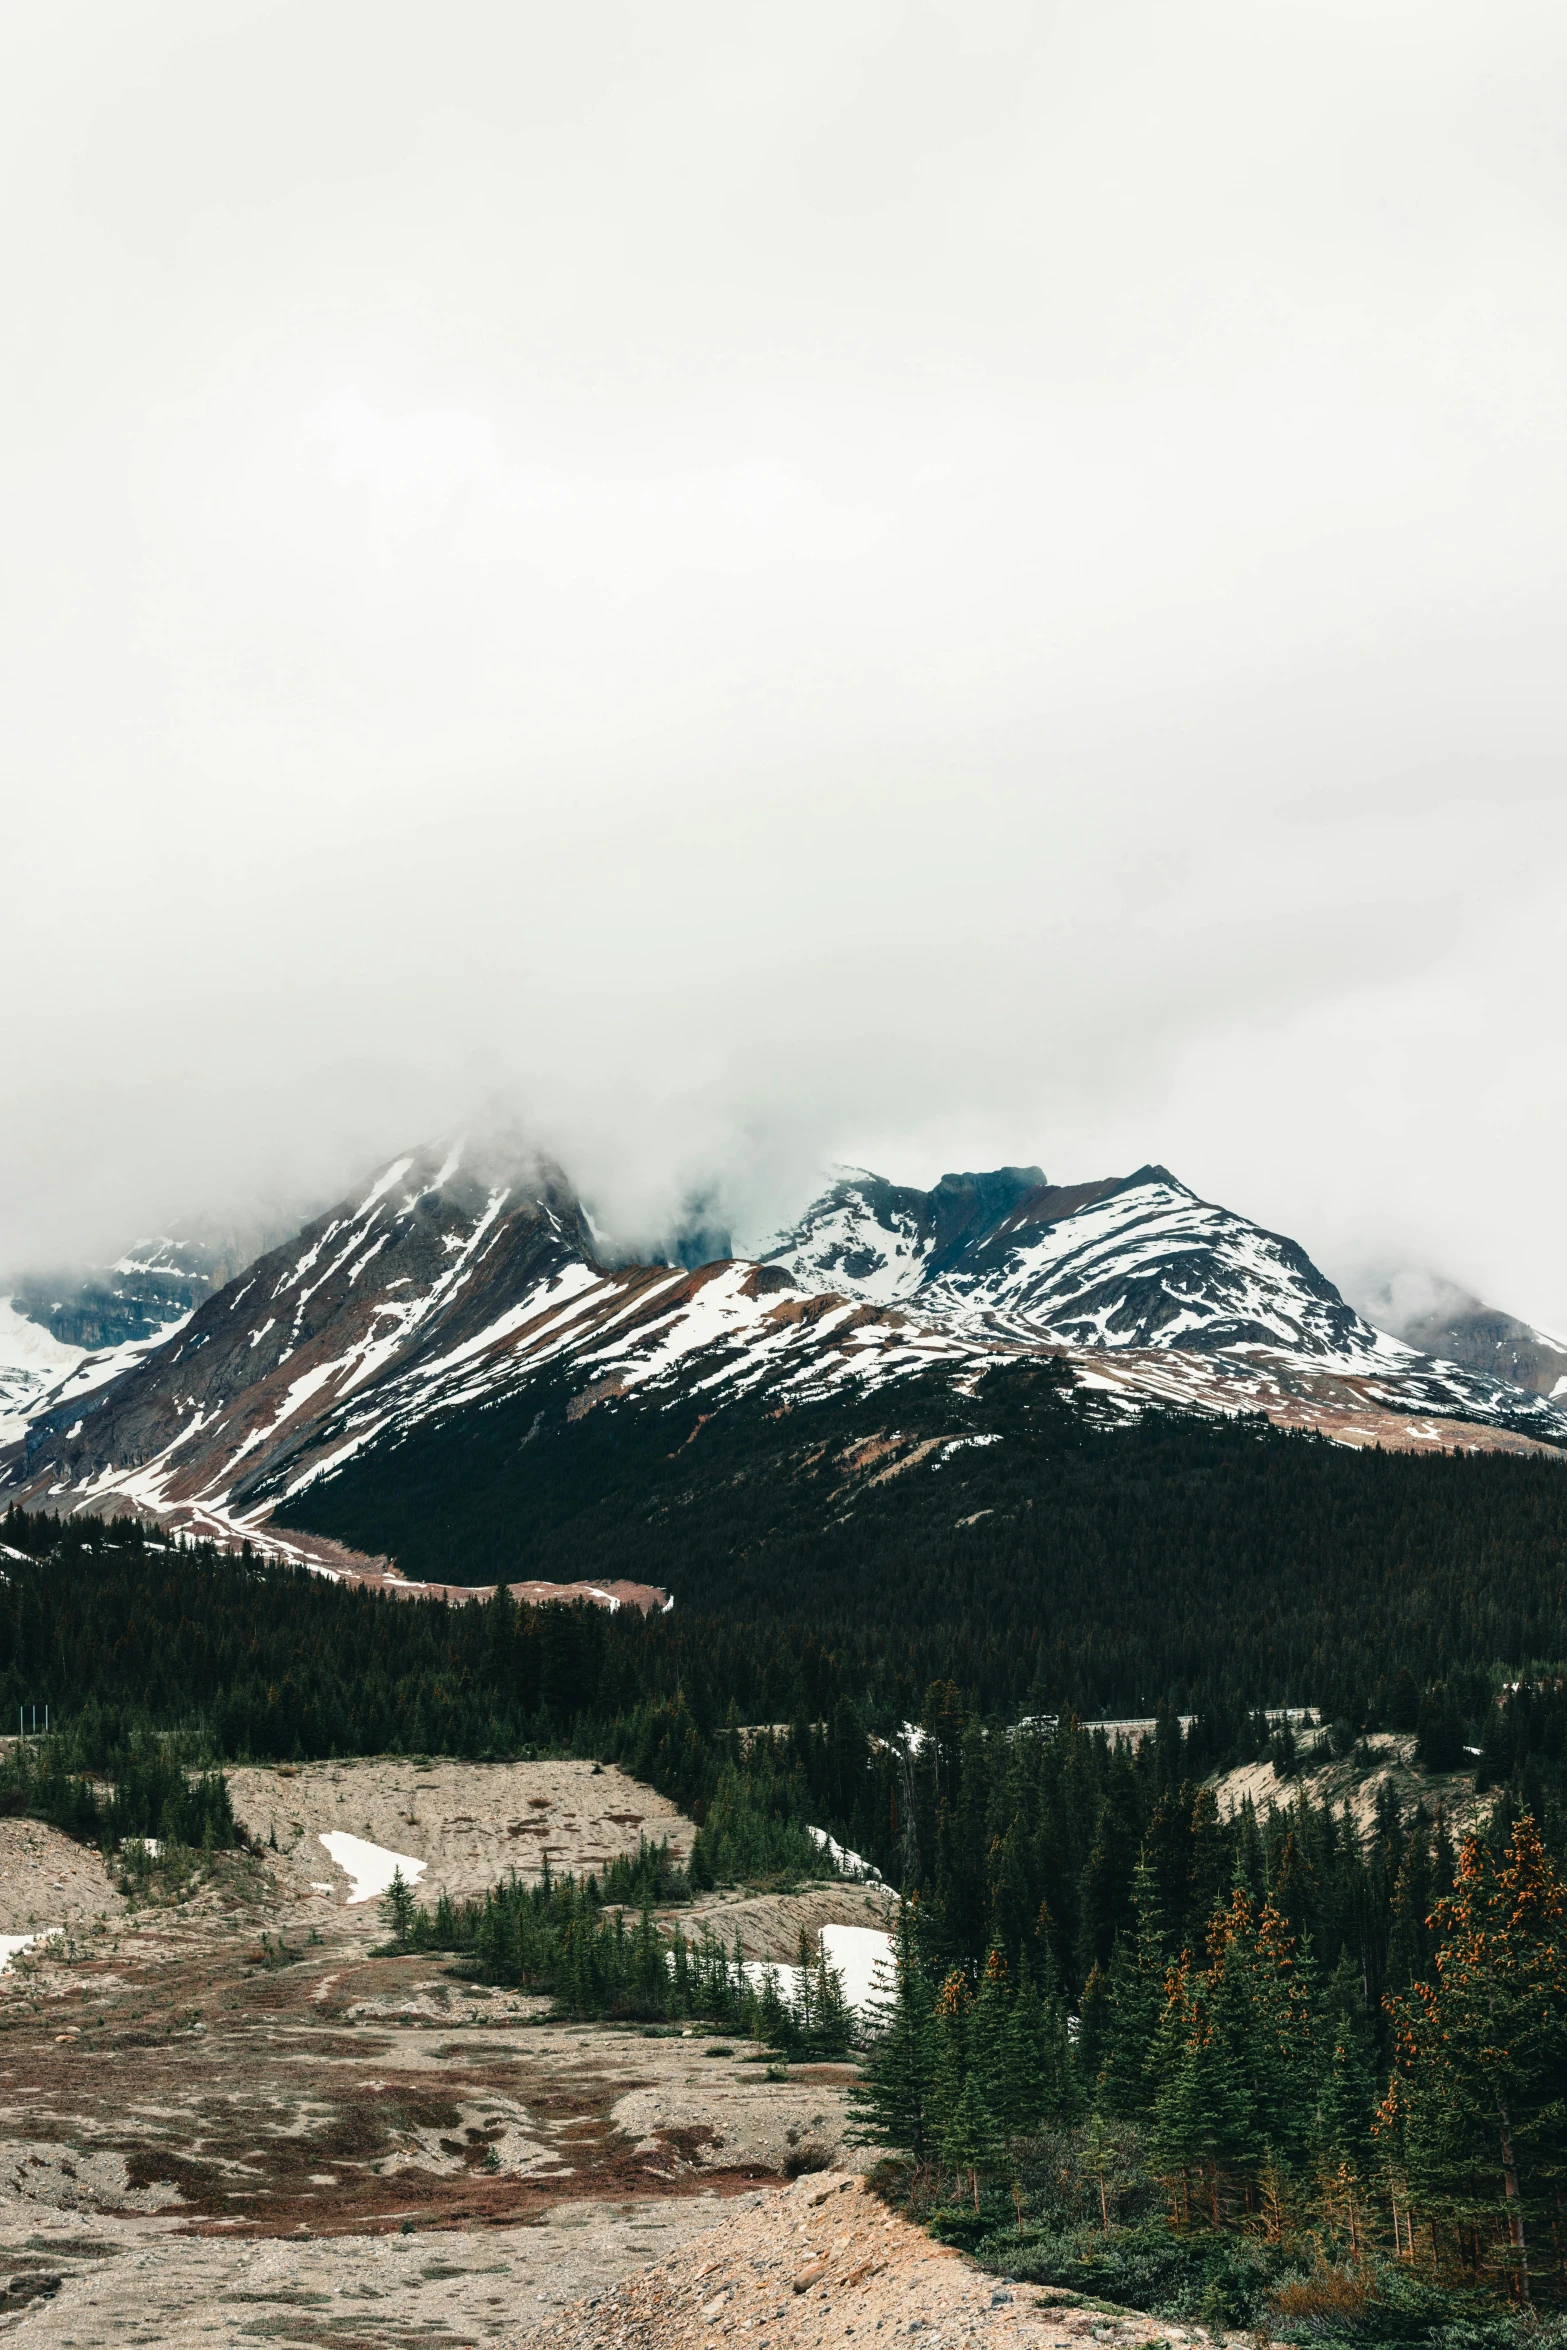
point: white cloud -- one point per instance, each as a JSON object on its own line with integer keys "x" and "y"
{"x": 935, "y": 583}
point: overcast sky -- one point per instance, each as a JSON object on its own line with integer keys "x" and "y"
{"x": 741, "y": 585}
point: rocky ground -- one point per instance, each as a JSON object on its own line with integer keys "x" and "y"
{"x": 468, "y": 1822}
{"x": 826, "y": 2261}
{"x": 1388, "y": 1758}
{"x": 88, "y": 2279}
{"x": 224, "y": 2120}
{"x": 47, "y": 1880}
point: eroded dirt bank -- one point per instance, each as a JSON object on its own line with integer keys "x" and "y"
{"x": 468, "y": 1822}
{"x": 826, "y": 2262}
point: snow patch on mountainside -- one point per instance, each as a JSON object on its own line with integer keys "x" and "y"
{"x": 1153, "y": 1265}
{"x": 39, "y": 1372}
{"x": 865, "y": 1238}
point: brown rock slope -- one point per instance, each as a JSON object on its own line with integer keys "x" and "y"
{"x": 825, "y": 2261}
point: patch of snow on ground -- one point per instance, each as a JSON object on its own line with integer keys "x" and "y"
{"x": 860, "y": 1956}
{"x": 847, "y": 1863}
{"x": 10, "y": 1944}
{"x": 371, "y": 1866}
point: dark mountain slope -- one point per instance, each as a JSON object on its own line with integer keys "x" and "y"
{"x": 1004, "y": 1538}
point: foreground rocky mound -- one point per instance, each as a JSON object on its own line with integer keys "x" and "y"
{"x": 822, "y": 2262}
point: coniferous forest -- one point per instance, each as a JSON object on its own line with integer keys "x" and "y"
{"x": 1302, "y": 2067}
{"x": 1020, "y": 1546}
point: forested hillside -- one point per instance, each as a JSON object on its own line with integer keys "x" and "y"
{"x": 1237, "y": 1569}
{"x": 999, "y": 1540}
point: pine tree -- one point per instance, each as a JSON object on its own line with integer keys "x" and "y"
{"x": 892, "y": 2100}
{"x": 970, "y": 2141}
{"x": 1409, "y": 1936}
{"x": 398, "y": 1909}
{"x": 1093, "y": 2025}
{"x": 1101, "y": 2156}
{"x": 1203, "y": 2123}
{"x": 1135, "y": 1998}
{"x": 830, "y": 2021}
{"x": 989, "y": 2040}
{"x": 1343, "y": 2122}
{"x": 1260, "y": 2002}
{"x": 949, "y": 2049}
{"x": 1205, "y": 1878}
{"x": 1480, "y": 2052}
{"x": 1042, "y": 2082}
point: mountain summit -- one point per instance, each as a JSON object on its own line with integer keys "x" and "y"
{"x": 1126, "y": 1261}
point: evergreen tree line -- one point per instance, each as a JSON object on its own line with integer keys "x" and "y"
{"x": 151, "y": 1796}
{"x": 117, "y": 1633}
{"x": 1275, "y": 2030}
{"x": 572, "y": 1937}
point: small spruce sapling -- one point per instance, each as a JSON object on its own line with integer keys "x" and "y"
{"x": 398, "y": 1909}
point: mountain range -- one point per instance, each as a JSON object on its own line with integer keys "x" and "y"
{"x": 292, "y": 1400}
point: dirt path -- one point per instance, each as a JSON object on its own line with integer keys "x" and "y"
{"x": 1359, "y": 1784}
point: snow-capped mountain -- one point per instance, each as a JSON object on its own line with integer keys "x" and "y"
{"x": 1131, "y": 1261}
{"x": 310, "y": 1318}
{"x": 440, "y": 1289}
{"x": 1138, "y": 1264}
{"x": 447, "y": 1292}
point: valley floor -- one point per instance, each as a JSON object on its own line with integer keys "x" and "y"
{"x": 223, "y": 2121}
